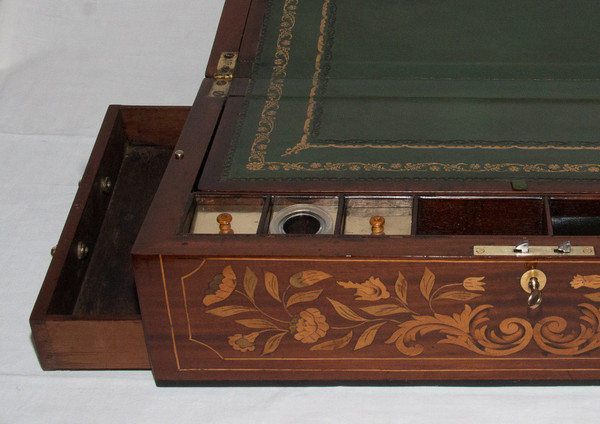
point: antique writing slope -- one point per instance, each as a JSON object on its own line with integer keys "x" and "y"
{"x": 403, "y": 192}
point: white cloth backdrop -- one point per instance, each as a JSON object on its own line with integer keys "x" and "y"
{"x": 62, "y": 62}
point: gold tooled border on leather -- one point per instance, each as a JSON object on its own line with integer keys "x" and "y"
{"x": 257, "y": 162}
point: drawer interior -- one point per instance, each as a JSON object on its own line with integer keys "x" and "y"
{"x": 87, "y": 313}
{"x": 97, "y": 277}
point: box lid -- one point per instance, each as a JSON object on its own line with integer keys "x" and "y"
{"x": 407, "y": 91}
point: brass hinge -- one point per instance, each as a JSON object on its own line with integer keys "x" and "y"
{"x": 224, "y": 75}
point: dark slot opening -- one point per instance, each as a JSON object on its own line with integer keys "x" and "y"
{"x": 481, "y": 216}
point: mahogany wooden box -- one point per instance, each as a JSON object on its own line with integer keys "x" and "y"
{"x": 264, "y": 259}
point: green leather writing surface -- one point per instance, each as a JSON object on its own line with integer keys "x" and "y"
{"x": 423, "y": 89}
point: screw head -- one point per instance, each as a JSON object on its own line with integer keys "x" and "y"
{"x": 106, "y": 185}
{"x": 82, "y": 250}
{"x": 228, "y": 55}
{"x": 179, "y": 154}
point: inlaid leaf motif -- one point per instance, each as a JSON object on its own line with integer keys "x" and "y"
{"x": 427, "y": 282}
{"x": 371, "y": 290}
{"x": 334, "y": 344}
{"x": 272, "y": 285}
{"x": 227, "y": 311}
{"x": 307, "y": 296}
{"x": 594, "y": 296}
{"x": 256, "y": 323}
{"x": 250, "y": 281}
{"x": 395, "y": 336}
{"x": 367, "y": 337}
{"x": 307, "y": 278}
{"x": 458, "y": 295}
{"x": 273, "y": 343}
{"x": 401, "y": 287}
{"x": 384, "y": 310}
{"x": 346, "y": 312}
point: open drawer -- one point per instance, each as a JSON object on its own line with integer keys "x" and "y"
{"x": 87, "y": 314}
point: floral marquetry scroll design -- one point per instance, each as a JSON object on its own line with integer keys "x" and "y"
{"x": 552, "y": 334}
{"x": 307, "y": 326}
{"x": 467, "y": 330}
{"x": 327, "y": 323}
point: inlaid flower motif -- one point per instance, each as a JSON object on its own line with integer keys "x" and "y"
{"x": 309, "y": 326}
{"x": 474, "y": 284}
{"x": 220, "y": 287}
{"x": 243, "y": 343}
{"x": 254, "y": 166}
{"x": 372, "y": 289}
{"x": 589, "y": 281}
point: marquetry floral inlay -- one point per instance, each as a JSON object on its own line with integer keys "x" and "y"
{"x": 311, "y": 323}
{"x": 553, "y": 334}
{"x": 332, "y": 322}
{"x": 590, "y": 282}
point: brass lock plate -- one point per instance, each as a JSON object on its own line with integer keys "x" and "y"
{"x": 533, "y": 273}
{"x": 533, "y": 251}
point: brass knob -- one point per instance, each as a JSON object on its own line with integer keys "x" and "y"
{"x": 224, "y": 221}
{"x": 377, "y": 223}
{"x": 82, "y": 250}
